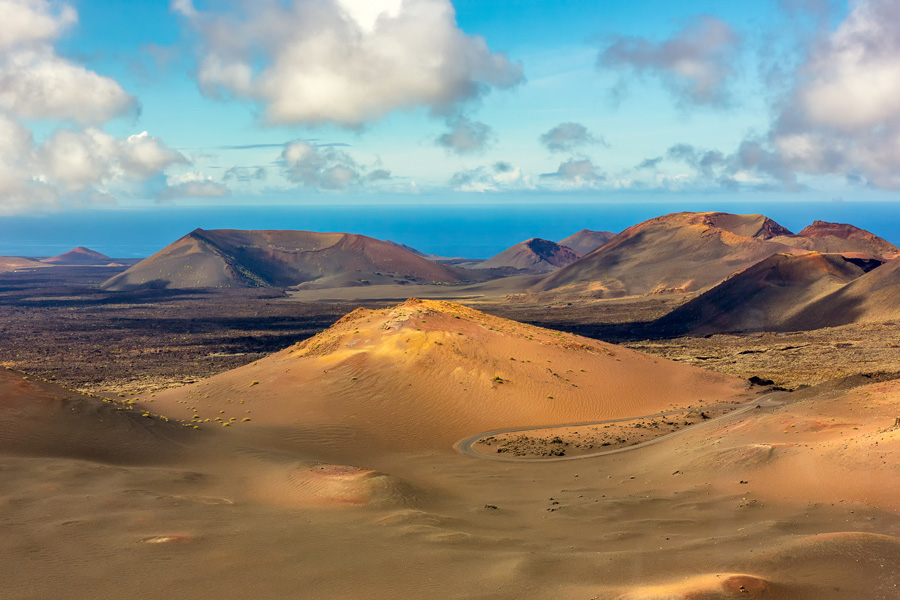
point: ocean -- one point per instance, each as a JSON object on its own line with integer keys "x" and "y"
{"x": 465, "y": 230}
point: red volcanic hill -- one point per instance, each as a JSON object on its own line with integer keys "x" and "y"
{"x": 425, "y": 374}
{"x": 682, "y": 252}
{"x": 822, "y": 236}
{"x": 586, "y": 241}
{"x": 534, "y": 255}
{"x": 765, "y": 296}
{"x": 79, "y": 256}
{"x": 237, "y": 258}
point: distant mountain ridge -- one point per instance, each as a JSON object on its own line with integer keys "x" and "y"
{"x": 689, "y": 252}
{"x": 282, "y": 258}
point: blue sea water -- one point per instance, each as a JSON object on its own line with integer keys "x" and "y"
{"x": 472, "y": 231}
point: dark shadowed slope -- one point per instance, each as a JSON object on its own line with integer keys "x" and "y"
{"x": 874, "y": 297}
{"x": 764, "y": 296}
{"x": 79, "y": 256}
{"x": 586, "y": 241}
{"x": 681, "y": 252}
{"x": 235, "y": 258}
{"x": 534, "y": 255}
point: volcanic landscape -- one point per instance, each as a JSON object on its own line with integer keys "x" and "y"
{"x": 703, "y": 406}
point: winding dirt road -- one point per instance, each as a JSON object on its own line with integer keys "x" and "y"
{"x": 466, "y": 446}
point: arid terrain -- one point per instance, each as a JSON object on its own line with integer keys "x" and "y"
{"x": 494, "y": 441}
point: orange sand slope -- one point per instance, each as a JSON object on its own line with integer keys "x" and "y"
{"x": 425, "y": 374}
{"x": 822, "y": 447}
{"x": 42, "y": 419}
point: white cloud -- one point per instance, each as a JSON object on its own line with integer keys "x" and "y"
{"x": 192, "y": 185}
{"x": 695, "y": 64}
{"x": 567, "y": 137}
{"x": 841, "y": 116}
{"x": 498, "y": 177}
{"x": 326, "y": 167}
{"x": 32, "y": 22}
{"x": 466, "y": 136}
{"x": 36, "y": 83}
{"x": 576, "y": 173}
{"x": 347, "y": 62}
{"x": 78, "y": 164}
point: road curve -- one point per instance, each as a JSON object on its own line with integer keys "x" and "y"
{"x": 465, "y": 446}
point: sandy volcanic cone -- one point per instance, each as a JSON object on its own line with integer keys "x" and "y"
{"x": 425, "y": 374}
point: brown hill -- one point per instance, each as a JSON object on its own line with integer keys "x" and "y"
{"x": 15, "y": 263}
{"x": 822, "y": 236}
{"x": 235, "y": 258}
{"x": 79, "y": 256}
{"x": 682, "y": 252}
{"x": 764, "y": 296}
{"x": 535, "y": 255}
{"x": 586, "y": 241}
{"x": 425, "y": 374}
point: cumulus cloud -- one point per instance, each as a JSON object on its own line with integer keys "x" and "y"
{"x": 36, "y": 83}
{"x": 78, "y": 163}
{"x": 576, "y": 172}
{"x": 752, "y": 165}
{"x": 500, "y": 176}
{"x": 73, "y": 165}
{"x": 325, "y": 167}
{"x": 347, "y": 62}
{"x": 567, "y": 137}
{"x": 192, "y": 185}
{"x": 695, "y": 64}
{"x": 466, "y": 136}
{"x": 842, "y": 116}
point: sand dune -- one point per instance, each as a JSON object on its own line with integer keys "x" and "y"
{"x": 41, "y": 419}
{"x": 765, "y": 296}
{"x": 534, "y": 255}
{"x": 425, "y": 374}
{"x": 79, "y": 256}
{"x": 232, "y": 258}
{"x": 586, "y": 241}
{"x": 791, "y": 502}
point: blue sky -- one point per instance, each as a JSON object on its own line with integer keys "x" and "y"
{"x": 291, "y": 102}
